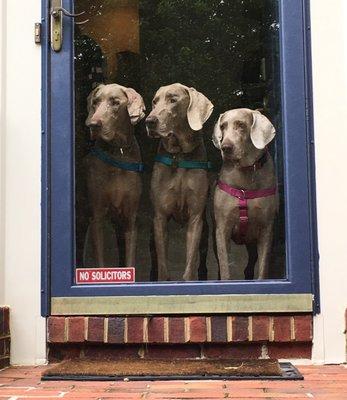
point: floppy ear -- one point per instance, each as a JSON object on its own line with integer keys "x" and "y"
{"x": 136, "y": 106}
{"x": 262, "y": 130}
{"x": 91, "y": 95}
{"x": 217, "y": 135}
{"x": 199, "y": 110}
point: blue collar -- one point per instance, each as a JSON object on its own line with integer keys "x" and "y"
{"x": 187, "y": 164}
{"x": 106, "y": 158}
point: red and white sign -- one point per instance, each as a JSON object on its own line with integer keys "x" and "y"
{"x": 104, "y": 275}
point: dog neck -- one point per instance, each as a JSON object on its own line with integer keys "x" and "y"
{"x": 124, "y": 149}
{"x": 197, "y": 153}
{"x": 256, "y": 176}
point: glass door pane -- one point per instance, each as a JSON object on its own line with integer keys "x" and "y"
{"x": 228, "y": 51}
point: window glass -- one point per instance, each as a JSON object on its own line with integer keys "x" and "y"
{"x": 161, "y": 168}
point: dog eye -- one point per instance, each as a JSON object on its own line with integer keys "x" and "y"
{"x": 239, "y": 125}
{"x": 114, "y": 102}
{"x": 223, "y": 126}
{"x": 173, "y": 100}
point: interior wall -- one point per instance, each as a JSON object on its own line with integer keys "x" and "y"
{"x": 329, "y": 48}
{"x": 22, "y": 129}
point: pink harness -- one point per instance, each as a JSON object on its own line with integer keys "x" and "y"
{"x": 243, "y": 196}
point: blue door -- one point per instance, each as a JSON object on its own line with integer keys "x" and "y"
{"x": 232, "y": 54}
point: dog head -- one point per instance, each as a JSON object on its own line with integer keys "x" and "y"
{"x": 112, "y": 108}
{"x": 178, "y": 112}
{"x": 242, "y": 134}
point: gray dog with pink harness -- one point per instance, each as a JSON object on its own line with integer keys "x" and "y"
{"x": 245, "y": 198}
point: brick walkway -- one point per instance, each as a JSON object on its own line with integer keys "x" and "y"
{"x": 321, "y": 382}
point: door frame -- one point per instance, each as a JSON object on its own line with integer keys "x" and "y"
{"x": 302, "y": 279}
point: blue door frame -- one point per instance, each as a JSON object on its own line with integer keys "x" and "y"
{"x": 58, "y": 174}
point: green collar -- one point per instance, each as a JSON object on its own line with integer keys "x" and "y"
{"x": 187, "y": 164}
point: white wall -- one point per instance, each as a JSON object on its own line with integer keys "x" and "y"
{"x": 329, "y": 45}
{"x": 2, "y": 150}
{"x": 22, "y": 182}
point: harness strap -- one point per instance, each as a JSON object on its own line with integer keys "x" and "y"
{"x": 187, "y": 164}
{"x": 106, "y": 158}
{"x": 243, "y": 196}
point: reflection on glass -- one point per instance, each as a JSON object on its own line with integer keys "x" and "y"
{"x": 229, "y": 52}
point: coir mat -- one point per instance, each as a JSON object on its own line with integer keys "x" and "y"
{"x": 126, "y": 369}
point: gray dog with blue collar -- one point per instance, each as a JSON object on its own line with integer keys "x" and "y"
{"x": 179, "y": 185}
{"x": 114, "y": 164}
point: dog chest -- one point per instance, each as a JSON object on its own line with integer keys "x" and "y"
{"x": 179, "y": 192}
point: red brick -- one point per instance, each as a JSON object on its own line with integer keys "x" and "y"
{"x": 116, "y": 327}
{"x": 218, "y": 329}
{"x": 135, "y": 329}
{"x": 231, "y": 350}
{"x": 4, "y": 362}
{"x": 240, "y": 329}
{"x": 56, "y": 329}
{"x": 75, "y": 329}
{"x": 6, "y": 321}
{"x": 176, "y": 330}
{"x": 289, "y": 350}
{"x": 4, "y": 347}
{"x": 156, "y": 330}
{"x": 59, "y": 352}
{"x": 303, "y": 328}
{"x": 260, "y": 328}
{"x": 2, "y": 321}
{"x": 95, "y": 329}
{"x": 111, "y": 352}
{"x": 281, "y": 328}
{"x": 173, "y": 351}
{"x": 197, "y": 326}
{"x": 7, "y": 346}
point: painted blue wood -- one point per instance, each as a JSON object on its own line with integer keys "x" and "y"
{"x": 58, "y": 159}
{"x": 45, "y": 215}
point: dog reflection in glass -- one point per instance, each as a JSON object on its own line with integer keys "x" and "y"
{"x": 179, "y": 184}
{"x": 114, "y": 164}
{"x": 245, "y": 198}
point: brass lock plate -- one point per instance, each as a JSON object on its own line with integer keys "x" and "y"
{"x": 56, "y": 25}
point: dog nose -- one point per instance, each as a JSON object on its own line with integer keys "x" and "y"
{"x": 227, "y": 148}
{"x": 151, "y": 121}
{"x": 94, "y": 124}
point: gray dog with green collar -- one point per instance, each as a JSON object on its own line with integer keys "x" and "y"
{"x": 179, "y": 185}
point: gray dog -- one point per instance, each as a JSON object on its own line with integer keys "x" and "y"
{"x": 114, "y": 164}
{"x": 179, "y": 185}
{"x": 245, "y": 199}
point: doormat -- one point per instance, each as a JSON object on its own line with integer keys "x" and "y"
{"x": 135, "y": 370}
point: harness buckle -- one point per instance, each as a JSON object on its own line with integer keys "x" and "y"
{"x": 174, "y": 163}
{"x": 243, "y": 194}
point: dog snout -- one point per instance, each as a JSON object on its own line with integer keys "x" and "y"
{"x": 227, "y": 148}
{"x": 151, "y": 121}
{"x": 94, "y": 123}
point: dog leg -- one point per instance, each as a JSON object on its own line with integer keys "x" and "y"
{"x": 194, "y": 230}
{"x": 264, "y": 251}
{"x": 252, "y": 259}
{"x": 96, "y": 226}
{"x": 223, "y": 232}
{"x": 130, "y": 236}
{"x": 160, "y": 237}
